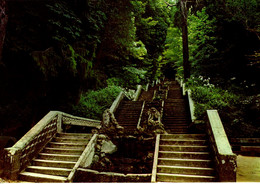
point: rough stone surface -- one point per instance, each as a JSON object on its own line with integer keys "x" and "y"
{"x": 153, "y": 125}
{"x": 108, "y": 147}
{"x": 109, "y": 125}
{"x": 84, "y": 175}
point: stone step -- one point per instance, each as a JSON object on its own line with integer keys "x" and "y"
{"x": 184, "y": 136}
{"x": 192, "y": 142}
{"x": 171, "y": 118}
{"x": 175, "y": 114}
{"x": 176, "y": 118}
{"x": 184, "y": 148}
{"x": 185, "y": 162}
{"x": 175, "y": 131}
{"x": 53, "y": 163}
{"x": 181, "y": 154}
{"x": 130, "y": 110}
{"x": 128, "y": 117}
{"x": 43, "y": 178}
{"x": 48, "y": 156}
{"x": 49, "y": 170}
{"x": 186, "y": 170}
{"x": 74, "y": 135}
{"x": 71, "y": 140}
{"x": 166, "y": 177}
{"x": 66, "y": 145}
{"x": 63, "y": 151}
{"x": 174, "y": 105}
{"x": 128, "y": 123}
{"x": 176, "y": 126}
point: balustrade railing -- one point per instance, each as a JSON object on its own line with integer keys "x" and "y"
{"x": 19, "y": 156}
{"x": 224, "y": 158}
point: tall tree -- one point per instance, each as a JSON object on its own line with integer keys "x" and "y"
{"x": 180, "y": 20}
{"x": 185, "y": 44}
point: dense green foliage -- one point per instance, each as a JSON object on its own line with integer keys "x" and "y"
{"x": 223, "y": 46}
{"x": 93, "y": 103}
{"x": 55, "y": 51}
{"x": 74, "y": 56}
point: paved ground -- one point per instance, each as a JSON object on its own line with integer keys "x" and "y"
{"x": 248, "y": 169}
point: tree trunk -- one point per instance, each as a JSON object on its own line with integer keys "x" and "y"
{"x": 3, "y": 23}
{"x": 186, "y": 63}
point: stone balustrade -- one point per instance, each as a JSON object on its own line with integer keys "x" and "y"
{"x": 17, "y": 157}
{"x": 224, "y": 158}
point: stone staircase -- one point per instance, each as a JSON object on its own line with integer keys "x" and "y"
{"x": 128, "y": 113}
{"x": 56, "y": 161}
{"x": 184, "y": 158}
{"x": 176, "y": 117}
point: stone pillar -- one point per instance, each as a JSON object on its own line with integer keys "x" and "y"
{"x": 59, "y": 123}
{"x": 12, "y": 164}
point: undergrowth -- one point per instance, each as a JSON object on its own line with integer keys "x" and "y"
{"x": 93, "y": 103}
{"x": 238, "y": 112}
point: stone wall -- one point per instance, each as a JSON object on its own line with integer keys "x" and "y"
{"x": 89, "y": 175}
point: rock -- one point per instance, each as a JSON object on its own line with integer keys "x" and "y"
{"x": 102, "y": 136}
{"x": 108, "y": 147}
{"x": 109, "y": 125}
{"x": 95, "y": 158}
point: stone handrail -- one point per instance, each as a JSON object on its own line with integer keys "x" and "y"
{"x": 86, "y": 157}
{"x": 191, "y": 106}
{"x": 18, "y": 157}
{"x": 187, "y": 92}
{"x": 140, "y": 116}
{"x": 117, "y": 101}
{"x": 155, "y": 161}
{"x": 138, "y": 92}
{"x": 67, "y": 119}
{"x": 224, "y": 158}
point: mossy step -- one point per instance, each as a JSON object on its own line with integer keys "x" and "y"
{"x": 62, "y": 151}
{"x": 183, "y": 148}
{"x": 43, "y": 178}
{"x": 192, "y": 142}
{"x": 182, "y": 154}
{"x": 185, "y": 162}
{"x": 74, "y": 135}
{"x": 53, "y": 163}
{"x": 166, "y": 177}
{"x": 184, "y": 136}
{"x": 186, "y": 170}
{"x": 48, "y": 156}
{"x": 66, "y": 145}
{"x": 71, "y": 139}
{"x": 49, "y": 170}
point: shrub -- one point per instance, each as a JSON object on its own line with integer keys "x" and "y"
{"x": 93, "y": 103}
{"x": 206, "y": 96}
